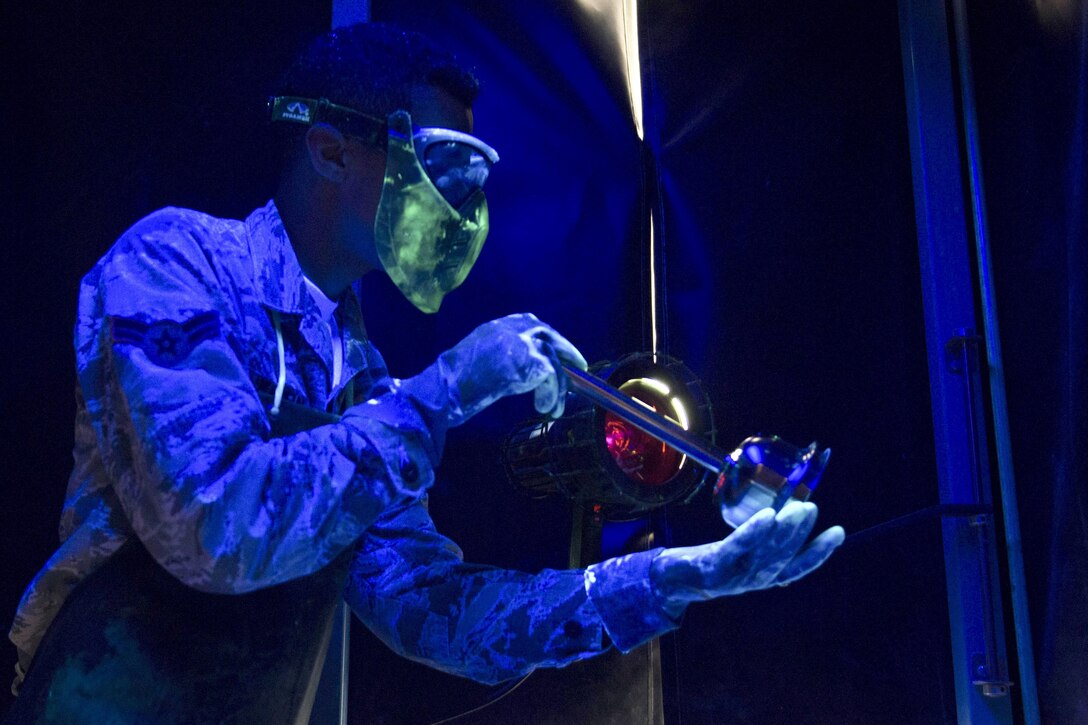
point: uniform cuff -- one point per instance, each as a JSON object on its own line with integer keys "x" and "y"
{"x": 401, "y": 439}
{"x": 429, "y": 394}
{"x": 630, "y": 609}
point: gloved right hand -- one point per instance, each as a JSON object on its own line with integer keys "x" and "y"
{"x": 508, "y": 356}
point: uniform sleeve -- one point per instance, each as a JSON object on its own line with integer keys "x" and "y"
{"x": 217, "y": 501}
{"x": 412, "y": 588}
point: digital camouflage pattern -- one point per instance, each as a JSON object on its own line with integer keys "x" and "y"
{"x": 174, "y": 345}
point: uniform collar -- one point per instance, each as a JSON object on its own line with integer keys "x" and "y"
{"x": 325, "y": 306}
{"x": 281, "y": 285}
{"x": 278, "y": 275}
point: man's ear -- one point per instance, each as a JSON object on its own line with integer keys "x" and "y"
{"x": 327, "y": 149}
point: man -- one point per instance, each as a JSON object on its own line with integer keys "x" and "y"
{"x": 243, "y": 458}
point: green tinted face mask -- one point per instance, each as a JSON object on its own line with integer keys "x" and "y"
{"x": 426, "y": 245}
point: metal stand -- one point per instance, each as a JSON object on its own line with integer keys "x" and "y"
{"x": 975, "y": 604}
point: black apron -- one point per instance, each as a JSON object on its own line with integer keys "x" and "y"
{"x": 132, "y": 644}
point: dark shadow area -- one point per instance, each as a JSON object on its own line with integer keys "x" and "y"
{"x": 114, "y": 110}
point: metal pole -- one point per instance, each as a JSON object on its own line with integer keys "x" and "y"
{"x": 642, "y": 417}
{"x": 348, "y": 12}
{"x": 344, "y": 12}
{"x": 949, "y": 306}
{"x": 995, "y": 366}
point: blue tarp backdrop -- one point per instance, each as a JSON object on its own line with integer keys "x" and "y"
{"x": 792, "y": 280}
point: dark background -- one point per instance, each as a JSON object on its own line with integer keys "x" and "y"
{"x": 793, "y": 291}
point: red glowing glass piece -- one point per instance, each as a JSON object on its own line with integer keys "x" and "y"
{"x": 638, "y": 454}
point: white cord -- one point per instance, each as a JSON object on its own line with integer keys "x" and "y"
{"x": 281, "y": 378}
{"x": 489, "y": 703}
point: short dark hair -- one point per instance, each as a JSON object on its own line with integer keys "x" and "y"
{"x": 372, "y": 68}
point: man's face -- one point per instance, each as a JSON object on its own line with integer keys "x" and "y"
{"x": 362, "y": 187}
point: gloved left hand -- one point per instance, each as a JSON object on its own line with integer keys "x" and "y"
{"x": 765, "y": 551}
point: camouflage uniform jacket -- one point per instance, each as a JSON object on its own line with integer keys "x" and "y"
{"x": 176, "y": 337}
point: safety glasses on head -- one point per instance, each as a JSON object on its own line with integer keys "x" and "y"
{"x": 457, "y": 163}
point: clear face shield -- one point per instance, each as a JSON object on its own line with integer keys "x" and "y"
{"x": 432, "y": 217}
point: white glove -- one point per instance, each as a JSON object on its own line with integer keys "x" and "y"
{"x": 511, "y": 355}
{"x": 764, "y": 551}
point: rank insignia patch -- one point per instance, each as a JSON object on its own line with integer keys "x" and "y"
{"x": 165, "y": 342}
